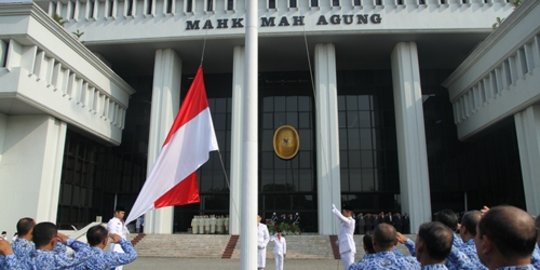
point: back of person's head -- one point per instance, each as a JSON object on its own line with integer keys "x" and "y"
{"x": 96, "y": 234}
{"x": 25, "y": 226}
{"x": 511, "y": 229}
{"x": 43, "y": 233}
{"x": 437, "y": 239}
{"x": 470, "y": 220}
{"x": 368, "y": 242}
{"x": 448, "y": 218}
{"x": 384, "y": 237}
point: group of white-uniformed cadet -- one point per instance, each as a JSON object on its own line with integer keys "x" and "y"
{"x": 500, "y": 238}
{"x": 210, "y": 224}
{"x": 41, "y": 246}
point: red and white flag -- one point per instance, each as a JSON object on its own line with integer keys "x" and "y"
{"x": 173, "y": 179}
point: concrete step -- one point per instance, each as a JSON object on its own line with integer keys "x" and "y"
{"x": 182, "y": 245}
{"x": 305, "y": 246}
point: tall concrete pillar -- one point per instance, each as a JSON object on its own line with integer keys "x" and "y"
{"x": 236, "y": 140}
{"x": 327, "y": 129}
{"x": 165, "y": 105}
{"x": 528, "y": 137}
{"x": 410, "y": 133}
{"x": 32, "y": 154}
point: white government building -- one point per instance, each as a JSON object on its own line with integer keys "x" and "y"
{"x": 407, "y": 106}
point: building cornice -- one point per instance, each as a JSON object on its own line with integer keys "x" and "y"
{"x": 480, "y": 51}
{"x": 39, "y": 15}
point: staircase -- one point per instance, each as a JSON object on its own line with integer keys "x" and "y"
{"x": 182, "y": 245}
{"x": 305, "y": 246}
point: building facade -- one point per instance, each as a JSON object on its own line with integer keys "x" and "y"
{"x": 360, "y": 80}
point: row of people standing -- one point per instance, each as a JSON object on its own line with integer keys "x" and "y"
{"x": 504, "y": 237}
{"x": 210, "y": 224}
{"x": 41, "y": 246}
{"x": 367, "y": 221}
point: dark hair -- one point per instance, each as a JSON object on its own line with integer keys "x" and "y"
{"x": 368, "y": 242}
{"x": 120, "y": 209}
{"x": 4, "y": 232}
{"x": 511, "y": 229}
{"x": 25, "y": 225}
{"x": 470, "y": 220}
{"x": 447, "y": 217}
{"x": 346, "y": 207}
{"x": 96, "y": 235}
{"x": 437, "y": 238}
{"x": 43, "y": 233}
{"x": 384, "y": 235}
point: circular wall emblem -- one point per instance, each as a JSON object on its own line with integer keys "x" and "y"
{"x": 286, "y": 142}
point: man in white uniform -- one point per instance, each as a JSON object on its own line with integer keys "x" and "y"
{"x": 280, "y": 249}
{"x": 347, "y": 247}
{"x": 263, "y": 237}
{"x": 116, "y": 226}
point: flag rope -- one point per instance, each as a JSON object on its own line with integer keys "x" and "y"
{"x": 203, "y": 47}
{"x": 227, "y": 180}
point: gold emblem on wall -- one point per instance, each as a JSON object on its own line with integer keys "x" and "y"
{"x": 286, "y": 142}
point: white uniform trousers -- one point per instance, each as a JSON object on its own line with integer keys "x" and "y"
{"x": 347, "y": 259}
{"x": 279, "y": 261}
{"x": 261, "y": 258}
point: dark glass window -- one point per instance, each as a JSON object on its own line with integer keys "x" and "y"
{"x": 287, "y": 186}
{"x": 272, "y": 4}
{"x": 314, "y": 3}
{"x": 368, "y": 162}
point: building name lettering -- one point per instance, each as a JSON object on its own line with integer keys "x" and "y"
{"x": 265, "y": 22}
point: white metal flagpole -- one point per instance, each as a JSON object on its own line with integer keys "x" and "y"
{"x": 249, "y": 179}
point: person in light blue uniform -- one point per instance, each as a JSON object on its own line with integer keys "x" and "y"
{"x": 23, "y": 246}
{"x": 8, "y": 260}
{"x": 467, "y": 231}
{"x": 433, "y": 245}
{"x": 505, "y": 239}
{"x": 384, "y": 241}
{"x": 98, "y": 237}
{"x": 45, "y": 236}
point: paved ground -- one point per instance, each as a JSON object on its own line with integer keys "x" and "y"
{"x": 144, "y": 263}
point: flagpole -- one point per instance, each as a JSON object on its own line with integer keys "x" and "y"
{"x": 249, "y": 179}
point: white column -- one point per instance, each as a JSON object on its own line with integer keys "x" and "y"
{"x": 165, "y": 105}
{"x": 410, "y": 133}
{"x": 250, "y": 141}
{"x": 32, "y": 150}
{"x": 236, "y": 140}
{"x": 327, "y": 128}
{"x": 528, "y": 137}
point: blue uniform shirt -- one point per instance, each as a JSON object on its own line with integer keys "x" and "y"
{"x": 439, "y": 266}
{"x": 53, "y": 260}
{"x": 103, "y": 260}
{"x": 456, "y": 260}
{"x": 386, "y": 260}
{"x": 469, "y": 249}
{"x": 521, "y": 267}
{"x": 535, "y": 260}
{"x": 11, "y": 262}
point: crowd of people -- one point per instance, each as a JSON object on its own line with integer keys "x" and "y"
{"x": 286, "y": 223}
{"x": 367, "y": 221}
{"x": 41, "y": 246}
{"x": 503, "y": 238}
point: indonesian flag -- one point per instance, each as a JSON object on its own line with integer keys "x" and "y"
{"x": 173, "y": 179}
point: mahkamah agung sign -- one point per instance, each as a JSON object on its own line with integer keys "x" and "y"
{"x": 226, "y": 23}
